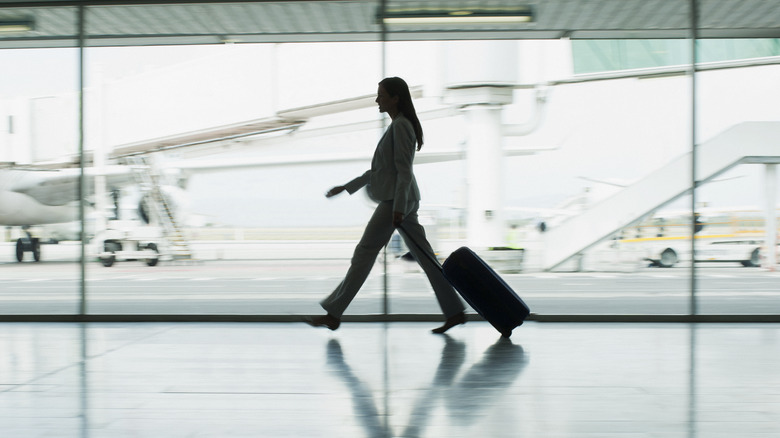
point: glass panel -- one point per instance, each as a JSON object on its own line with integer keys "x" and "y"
{"x": 554, "y": 175}
{"x": 233, "y": 207}
{"x": 735, "y": 49}
{"x": 593, "y": 56}
{"x": 39, "y": 249}
{"x": 738, "y": 116}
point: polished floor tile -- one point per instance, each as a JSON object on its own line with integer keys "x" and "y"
{"x": 389, "y": 380}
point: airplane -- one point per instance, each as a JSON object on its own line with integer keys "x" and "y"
{"x": 31, "y": 196}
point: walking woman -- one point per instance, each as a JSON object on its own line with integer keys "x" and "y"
{"x": 391, "y": 183}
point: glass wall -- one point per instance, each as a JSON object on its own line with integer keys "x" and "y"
{"x": 738, "y": 206}
{"x": 207, "y": 167}
{"x": 39, "y": 150}
{"x": 240, "y": 223}
{"x": 574, "y": 174}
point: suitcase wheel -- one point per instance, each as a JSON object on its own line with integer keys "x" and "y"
{"x": 506, "y": 333}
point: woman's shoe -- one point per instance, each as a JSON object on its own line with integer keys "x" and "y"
{"x": 328, "y": 321}
{"x": 451, "y": 322}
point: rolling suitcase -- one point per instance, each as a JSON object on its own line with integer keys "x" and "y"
{"x": 483, "y": 289}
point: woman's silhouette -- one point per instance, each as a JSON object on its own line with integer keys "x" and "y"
{"x": 391, "y": 183}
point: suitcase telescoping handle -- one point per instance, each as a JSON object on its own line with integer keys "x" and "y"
{"x": 419, "y": 247}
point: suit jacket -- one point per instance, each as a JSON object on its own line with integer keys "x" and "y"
{"x": 391, "y": 176}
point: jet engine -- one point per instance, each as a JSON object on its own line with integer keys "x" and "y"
{"x": 169, "y": 200}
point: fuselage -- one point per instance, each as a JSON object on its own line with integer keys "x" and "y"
{"x": 21, "y": 209}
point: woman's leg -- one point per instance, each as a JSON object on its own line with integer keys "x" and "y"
{"x": 449, "y": 301}
{"x": 376, "y": 235}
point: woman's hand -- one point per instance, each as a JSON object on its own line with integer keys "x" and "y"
{"x": 335, "y": 191}
{"x": 397, "y": 219}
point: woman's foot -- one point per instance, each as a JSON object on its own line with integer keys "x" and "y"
{"x": 328, "y": 321}
{"x": 451, "y": 322}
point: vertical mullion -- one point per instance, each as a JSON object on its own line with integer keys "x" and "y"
{"x": 82, "y": 182}
{"x": 694, "y": 16}
{"x": 385, "y": 283}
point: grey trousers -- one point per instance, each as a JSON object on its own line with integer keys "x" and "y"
{"x": 377, "y": 234}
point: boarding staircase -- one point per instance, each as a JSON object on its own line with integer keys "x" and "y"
{"x": 749, "y": 142}
{"x": 160, "y": 210}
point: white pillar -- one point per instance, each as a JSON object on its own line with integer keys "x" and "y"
{"x": 479, "y": 76}
{"x": 485, "y": 177}
{"x": 770, "y": 191}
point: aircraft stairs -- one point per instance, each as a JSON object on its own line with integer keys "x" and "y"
{"x": 748, "y": 142}
{"x": 160, "y": 209}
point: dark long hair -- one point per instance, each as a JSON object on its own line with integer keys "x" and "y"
{"x": 396, "y": 86}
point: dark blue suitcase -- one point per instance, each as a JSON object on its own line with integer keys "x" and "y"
{"x": 485, "y": 291}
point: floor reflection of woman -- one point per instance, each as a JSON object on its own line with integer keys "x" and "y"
{"x": 391, "y": 183}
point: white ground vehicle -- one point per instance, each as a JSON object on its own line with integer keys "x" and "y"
{"x": 721, "y": 236}
{"x": 127, "y": 240}
{"x": 745, "y": 252}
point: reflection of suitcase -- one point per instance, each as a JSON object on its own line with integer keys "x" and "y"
{"x": 485, "y": 291}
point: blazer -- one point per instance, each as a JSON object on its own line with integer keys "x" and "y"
{"x": 391, "y": 176}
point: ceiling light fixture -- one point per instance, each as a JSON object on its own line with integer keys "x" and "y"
{"x": 519, "y": 14}
{"x": 16, "y": 25}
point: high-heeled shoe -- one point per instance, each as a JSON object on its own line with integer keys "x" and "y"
{"x": 451, "y": 322}
{"x": 328, "y": 321}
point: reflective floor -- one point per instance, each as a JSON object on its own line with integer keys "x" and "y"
{"x": 389, "y": 380}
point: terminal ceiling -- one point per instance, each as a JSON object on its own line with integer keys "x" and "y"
{"x": 148, "y": 22}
